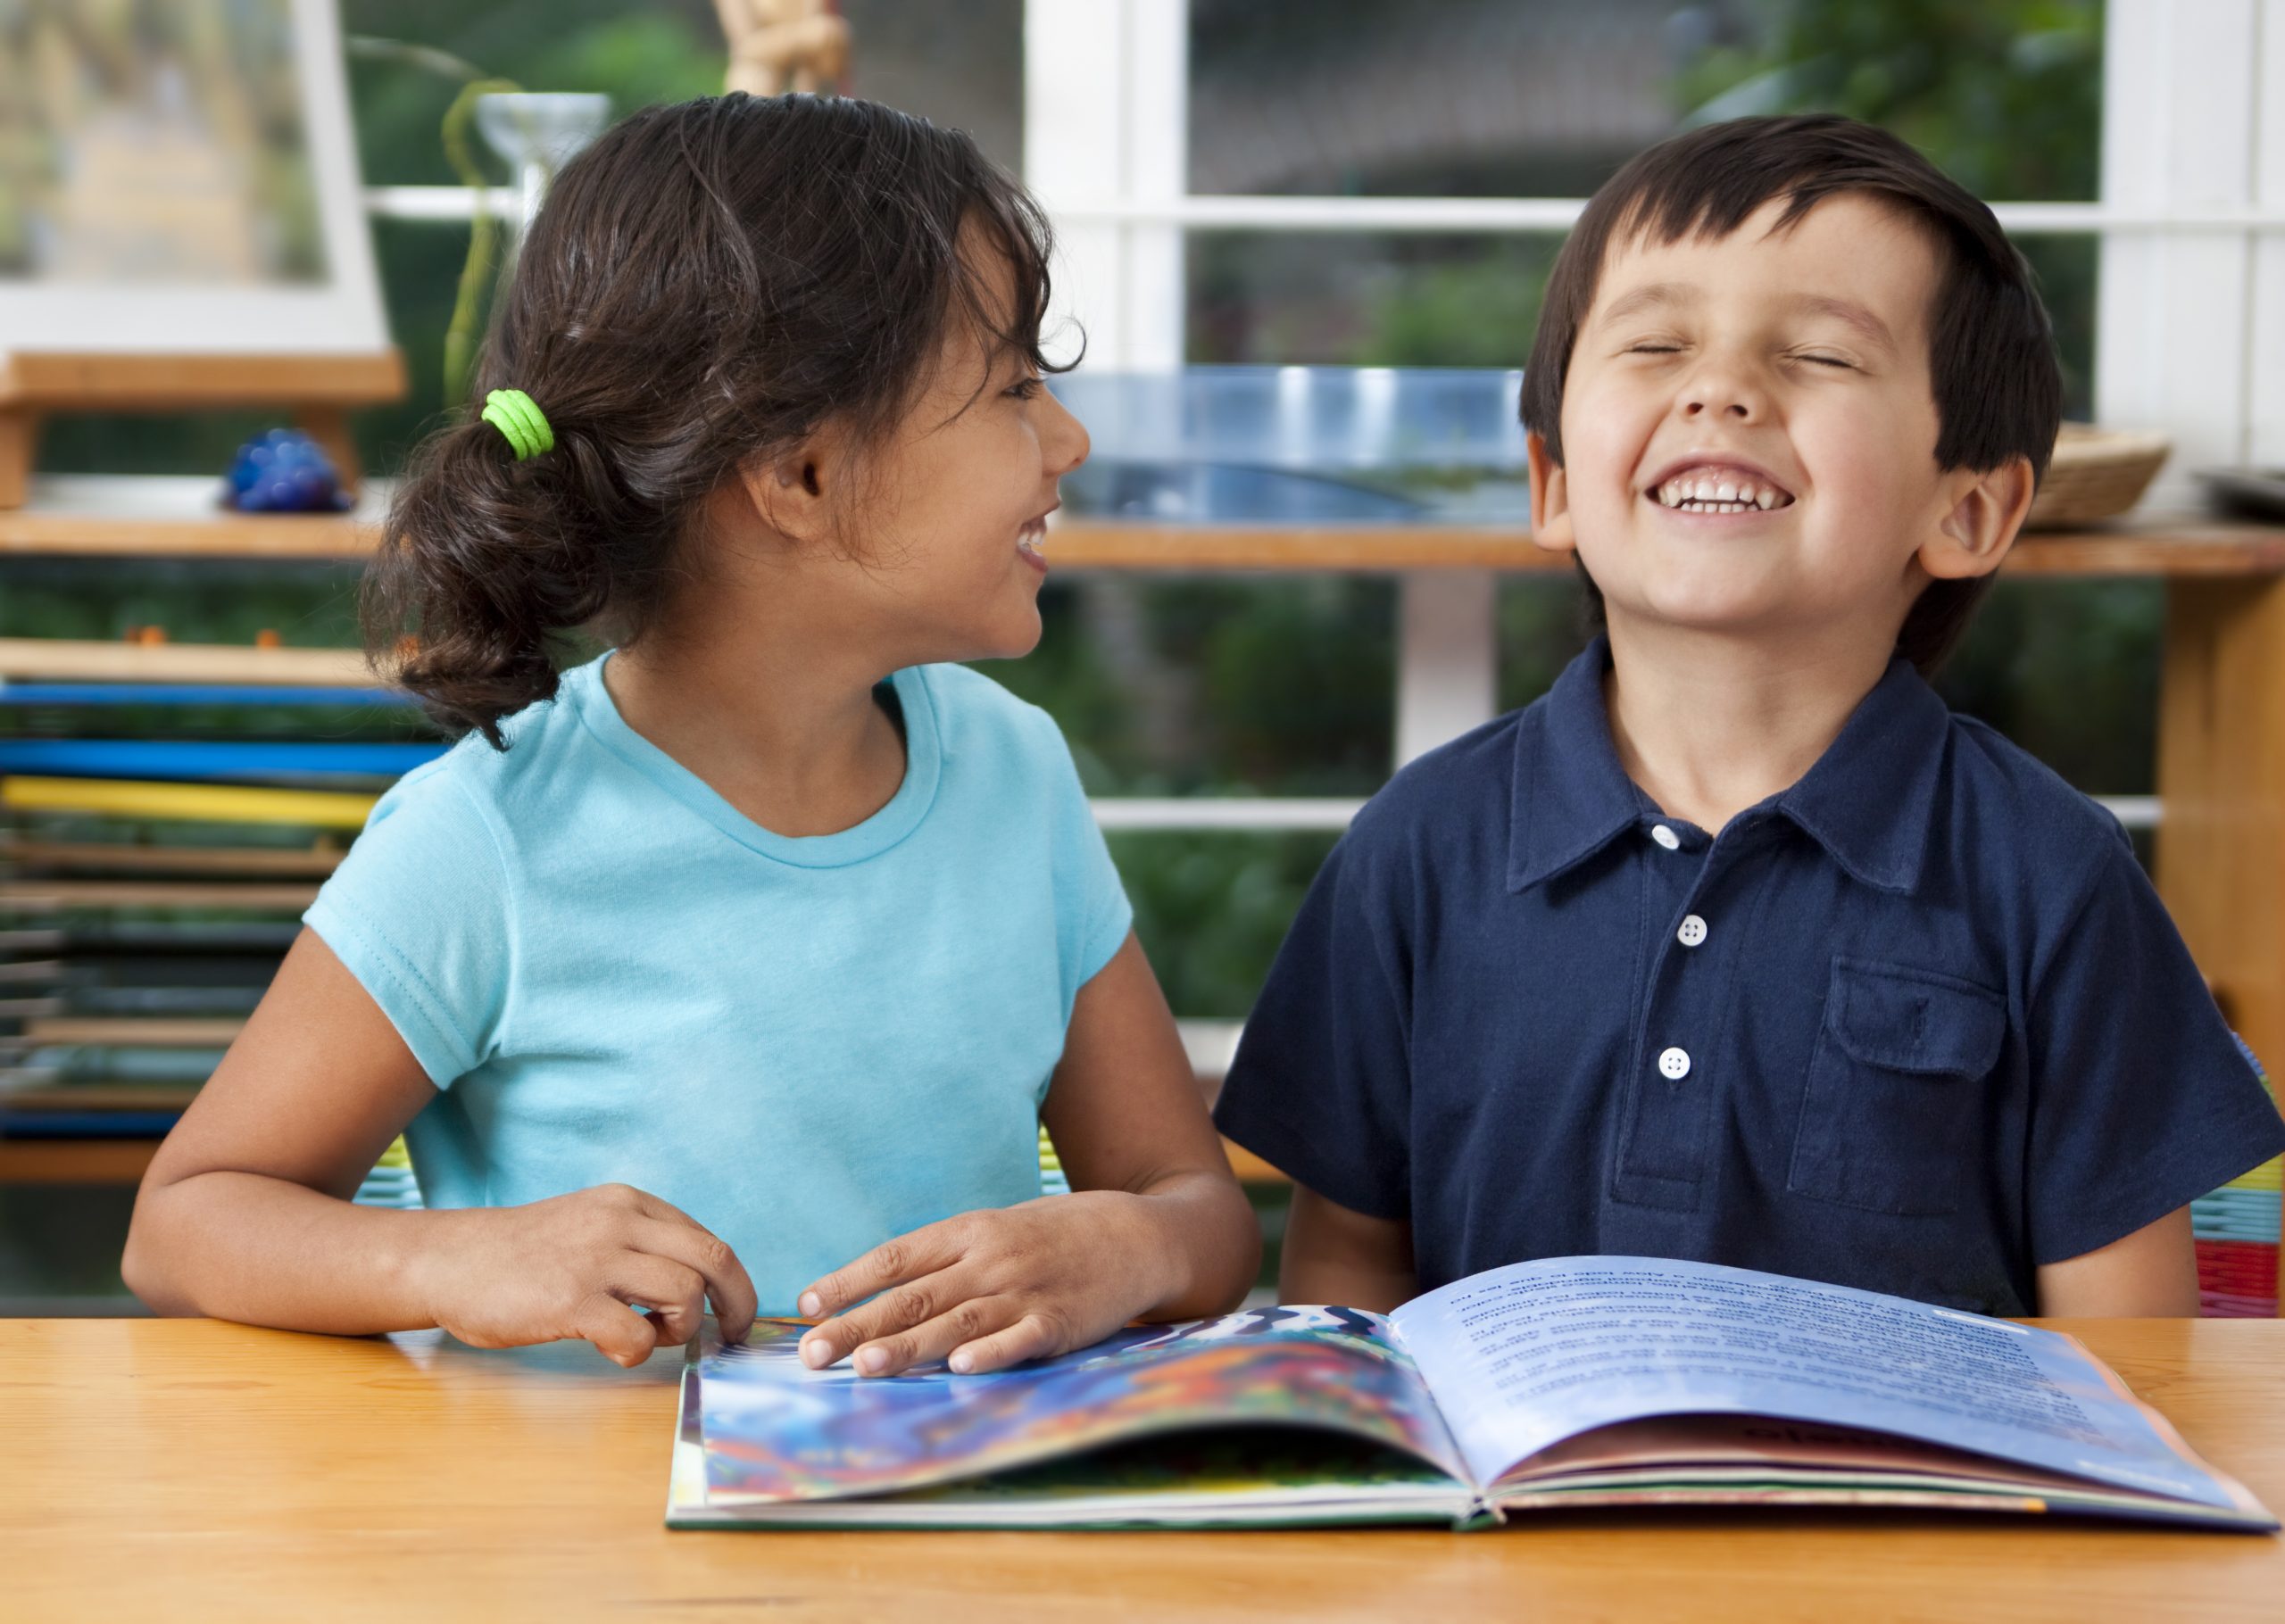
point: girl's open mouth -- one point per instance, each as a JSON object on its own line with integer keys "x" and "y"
{"x": 1031, "y": 542}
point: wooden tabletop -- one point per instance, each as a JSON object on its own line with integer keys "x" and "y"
{"x": 190, "y": 1469}
{"x": 148, "y": 515}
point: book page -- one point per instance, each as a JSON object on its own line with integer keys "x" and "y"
{"x": 775, "y": 1430}
{"x": 1523, "y": 1357}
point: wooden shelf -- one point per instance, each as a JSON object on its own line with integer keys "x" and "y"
{"x": 134, "y": 1032}
{"x": 130, "y": 516}
{"x": 56, "y": 896}
{"x": 66, "y": 659}
{"x": 39, "y": 1161}
{"x": 168, "y": 517}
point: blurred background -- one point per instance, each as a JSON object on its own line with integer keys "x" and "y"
{"x": 1281, "y": 182}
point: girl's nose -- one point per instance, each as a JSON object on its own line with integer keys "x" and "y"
{"x": 1063, "y": 437}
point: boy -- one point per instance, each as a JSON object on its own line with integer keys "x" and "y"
{"x": 1737, "y": 945}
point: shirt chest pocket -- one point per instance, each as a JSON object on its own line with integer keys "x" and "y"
{"x": 1895, "y": 1090}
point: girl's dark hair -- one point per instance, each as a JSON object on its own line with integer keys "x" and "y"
{"x": 709, "y": 283}
{"x": 1998, "y": 388}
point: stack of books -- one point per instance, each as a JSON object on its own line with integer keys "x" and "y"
{"x": 158, "y": 842}
{"x": 2236, "y": 1239}
{"x": 2235, "y": 1230}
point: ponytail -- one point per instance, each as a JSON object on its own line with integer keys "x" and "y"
{"x": 483, "y": 562}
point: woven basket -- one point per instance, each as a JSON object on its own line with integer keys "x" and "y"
{"x": 2097, "y": 474}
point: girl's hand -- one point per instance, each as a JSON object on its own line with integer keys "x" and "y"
{"x": 572, "y": 1266}
{"x": 990, "y": 1289}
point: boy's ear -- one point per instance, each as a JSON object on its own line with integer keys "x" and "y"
{"x": 1551, "y": 498}
{"x": 1981, "y": 526}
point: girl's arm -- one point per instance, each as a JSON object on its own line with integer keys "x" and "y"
{"x": 2150, "y": 1273}
{"x": 245, "y": 1212}
{"x": 1158, "y": 1228}
{"x": 1333, "y": 1255}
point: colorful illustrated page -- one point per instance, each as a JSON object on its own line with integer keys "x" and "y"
{"x": 777, "y": 1430}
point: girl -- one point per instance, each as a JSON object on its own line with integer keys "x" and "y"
{"x": 742, "y": 962}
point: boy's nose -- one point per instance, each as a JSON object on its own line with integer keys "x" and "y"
{"x": 1724, "y": 393}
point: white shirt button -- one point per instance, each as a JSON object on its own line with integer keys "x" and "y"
{"x": 1692, "y": 932}
{"x": 1674, "y": 1064}
{"x": 1665, "y": 837}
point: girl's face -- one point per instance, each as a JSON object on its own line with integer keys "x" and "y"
{"x": 948, "y": 519}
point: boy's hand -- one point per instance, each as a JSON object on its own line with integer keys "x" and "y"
{"x": 573, "y": 1266}
{"x": 994, "y": 1288}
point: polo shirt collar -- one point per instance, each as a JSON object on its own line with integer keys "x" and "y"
{"x": 1868, "y": 798}
{"x": 1570, "y": 798}
{"x": 1866, "y": 801}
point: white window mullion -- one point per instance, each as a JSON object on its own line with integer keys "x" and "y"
{"x": 1106, "y": 117}
{"x": 2265, "y": 334}
{"x": 1447, "y": 658}
{"x": 2172, "y": 349}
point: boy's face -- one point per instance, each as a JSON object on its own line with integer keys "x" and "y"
{"x": 1749, "y": 430}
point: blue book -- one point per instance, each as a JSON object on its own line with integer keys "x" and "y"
{"x": 174, "y": 759}
{"x": 192, "y": 693}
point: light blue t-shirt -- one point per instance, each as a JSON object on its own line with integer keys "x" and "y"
{"x": 808, "y": 1045}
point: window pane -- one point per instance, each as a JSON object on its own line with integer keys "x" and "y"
{"x": 1544, "y": 98}
{"x": 1260, "y": 684}
{"x": 1521, "y": 98}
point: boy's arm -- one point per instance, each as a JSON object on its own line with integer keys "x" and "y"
{"x": 2150, "y": 1273}
{"x": 1333, "y": 1255}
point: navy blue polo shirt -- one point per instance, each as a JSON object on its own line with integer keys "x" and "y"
{"x": 1918, "y": 1024}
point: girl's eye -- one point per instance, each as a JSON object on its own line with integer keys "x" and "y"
{"x": 1826, "y": 360}
{"x": 1653, "y": 348}
{"x": 1025, "y": 388}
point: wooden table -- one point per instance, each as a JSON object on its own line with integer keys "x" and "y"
{"x": 189, "y": 1469}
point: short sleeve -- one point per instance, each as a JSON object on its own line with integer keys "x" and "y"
{"x": 1092, "y": 913}
{"x": 1321, "y": 1085}
{"x": 419, "y": 913}
{"x": 2142, "y": 1098}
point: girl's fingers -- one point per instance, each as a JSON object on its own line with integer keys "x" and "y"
{"x": 674, "y": 1293}
{"x": 1032, "y": 1336}
{"x": 622, "y": 1337}
{"x": 967, "y": 1322}
{"x": 899, "y": 1308}
{"x": 892, "y": 1263}
{"x": 698, "y": 1249}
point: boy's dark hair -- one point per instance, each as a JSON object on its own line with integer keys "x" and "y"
{"x": 709, "y": 283}
{"x": 1999, "y": 389}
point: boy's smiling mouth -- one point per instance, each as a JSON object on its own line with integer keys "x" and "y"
{"x": 1716, "y": 484}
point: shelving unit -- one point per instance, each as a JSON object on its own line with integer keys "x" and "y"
{"x": 2221, "y": 768}
{"x": 164, "y": 517}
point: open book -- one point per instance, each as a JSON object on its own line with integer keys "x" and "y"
{"x": 1569, "y": 1382}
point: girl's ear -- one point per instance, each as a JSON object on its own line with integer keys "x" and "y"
{"x": 794, "y": 493}
{"x": 1976, "y": 531}
{"x": 1551, "y": 498}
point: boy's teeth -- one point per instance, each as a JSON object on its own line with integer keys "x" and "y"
{"x": 1710, "y": 494}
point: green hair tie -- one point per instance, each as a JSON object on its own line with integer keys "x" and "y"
{"x": 519, "y": 421}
